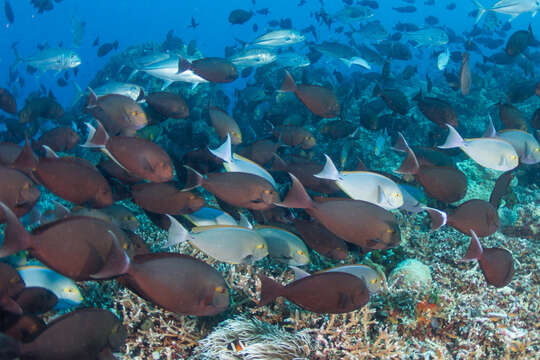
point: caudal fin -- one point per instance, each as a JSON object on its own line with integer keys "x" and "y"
{"x": 475, "y": 250}
{"x": 183, "y": 65}
{"x": 438, "y": 218}
{"x": 177, "y": 233}
{"x": 288, "y": 84}
{"x": 297, "y": 196}
{"x": 193, "y": 179}
{"x": 401, "y": 143}
{"x": 453, "y": 140}
{"x": 97, "y": 137}
{"x": 270, "y": 290}
{"x": 410, "y": 164}
{"x": 224, "y": 151}
{"x": 16, "y": 238}
{"x": 490, "y": 129}
{"x": 329, "y": 171}
{"x": 481, "y": 11}
{"x": 26, "y": 160}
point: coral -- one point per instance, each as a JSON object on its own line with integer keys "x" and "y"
{"x": 411, "y": 273}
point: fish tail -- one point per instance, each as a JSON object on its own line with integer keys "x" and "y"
{"x": 453, "y": 140}
{"x": 297, "y": 196}
{"x": 16, "y": 238}
{"x": 26, "y": 159}
{"x": 278, "y": 164}
{"x": 410, "y": 164}
{"x": 288, "y": 84}
{"x": 183, "y": 65}
{"x": 481, "y": 11}
{"x": 475, "y": 250}
{"x": 18, "y": 58}
{"x": 193, "y": 179}
{"x": 346, "y": 61}
{"x": 96, "y": 137}
{"x": 438, "y": 218}
{"x": 177, "y": 233}
{"x": 224, "y": 151}
{"x": 270, "y": 289}
{"x": 329, "y": 171}
{"x": 117, "y": 262}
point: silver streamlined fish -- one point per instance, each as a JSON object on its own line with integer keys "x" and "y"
{"x": 56, "y": 59}
{"x": 514, "y": 8}
{"x": 253, "y": 58}
{"x": 278, "y": 38}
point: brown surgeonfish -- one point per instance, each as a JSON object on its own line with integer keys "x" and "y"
{"x": 319, "y": 100}
{"x": 236, "y": 188}
{"x": 438, "y": 111}
{"x": 139, "y": 157}
{"x": 323, "y": 293}
{"x": 178, "y": 283}
{"x": 82, "y": 334}
{"x": 17, "y": 191}
{"x": 119, "y": 114}
{"x": 295, "y": 136}
{"x": 444, "y": 183}
{"x": 165, "y": 198}
{"x": 497, "y": 264}
{"x": 476, "y": 214}
{"x": 395, "y": 99}
{"x": 261, "y": 151}
{"x": 112, "y": 169}
{"x": 23, "y": 328}
{"x": 7, "y": 102}
{"x": 213, "y": 69}
{"x": 73, "y": 179}
{"x": 77, "y": 247}
{"x": 501, "y": 188}
{"x": 465, "y": 75}
{"x": 62, "y": 139}
{"x": 36, "y": 107}
{"x": 36, "y": 300}
{"x": 168, "y": 104}
{"x": 355, "y": 221}
{"x": 224, "y": 124}
{"x": 318, "y": 238}
{"x": 11, "y": 285}
{"x": 511, "y": 117}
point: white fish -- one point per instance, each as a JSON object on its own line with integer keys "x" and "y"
{"x": 284, "y": 246}
{"x": 208, "y": 216}
{"x": 375, "y": 280}
{"x": 236, "y": 163}
{"x": 443, "y": 58}
{"x": 56, "y": 59}
{"x": 526, "y": 146}
{"x": 492, "y": 153}
{"x": 428, "y": 37}
{"x": 356, "y": 60}
{"x": 65, "y": 289}
{"x": 167, "y": 70}
{"x": 133, "y": 91}
{"x": 276, "y": 38}
{"x": 364, "y": 185}
{"x": 226, "y": 243}
{"x": 253, "y": 58}
{"x": 514, "y": 8}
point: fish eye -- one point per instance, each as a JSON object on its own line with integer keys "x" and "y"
{"x": 537, "y": 150}
{"x": 220, "y": 289}
{"x": 373, "y": 281}
{"x": 26, "y": 186}
{"x": 300, "y": 252}
{"x": 267, "y": 191}
{"x": 191, "y": 197}
{"x": 134, "y": 113}
{"x": 14, "y": 280}
{"x": 261, "y": 246}
{"x": 68, "y": 290}
{"x": 125, "y": 246}
{"x": 390, "y": 231}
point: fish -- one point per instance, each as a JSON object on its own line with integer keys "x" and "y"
{"x": 278, "y": 38}
{"x": 304, "y": 170}
{"x": 240, "y": 16}
{"x": 442, "y": 59}
{"x": 284, "y": 246}
{"x": 50, "y": 59}
{"x": 207, "y": 216}
{"x": 375, "y": 279}
{"x": 165, "y": 198}
{"x": 17, "y": 191}
{"x": 225, "y": 125}
{"x": 261, "y": 151}
{"x": 8, "y": 10}
{"x": 356, "y": 60}
{"x": 319, "y": 100}
{"x": 211, "y": 69}
{"x": 83, "y": 333}
{"x": 62, "y": 138}
{"x": 168, "y": 104}
{"x": 91, "y": 239}
{"x": 514, "y": 8}
{"x": 236, "y": 188}
{"x": 37, "y": 107}
{"x": 165, "y": 67}
{"x": 395, "y": 99}
{"x": 73, "y": 179}
{"x": 355, "y": 221}
{"x": 293, "y": 60}
{"x": 335, "y": 50}
{"x": 7, "y": 102}
{"x": 353, "y": 14}
{"x": 139, "y": 157}
{"x": 412, "y": 205}
{"x": 106, "y": 48}
{"x": 405, "y": 9}
{"x": 133, "y": 91}
{"x": 321, "y": 240}
{"x": 511, "y": 117}
{"x": 465, "y": 75}
{"x": 475, "y": 215}
{"x": 11, "y": 284}
{"x": 519, "y": 41}
{"x": 526, "y": 146}
{"x": 438, "y": 111}
{"x": 497, "y": 264}
{"x": 253, "y": 57}
{"x": 428, "y": 37}
{"x": 295, "y": 136}
{"x": 343, "y": 292}
{"x": 36, "y": 300}
{"x": 501, "y": 188}
{"x": 226, "y": 243}
{"x": 119, "y": 114}
{"x": 496, "y": 154}
{"x": 364, "y": 185}
{"x": 237, "y": 163}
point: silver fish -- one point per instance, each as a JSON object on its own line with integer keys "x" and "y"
{"x": 167, "y": 70}
{"x": 428, "y": 37}
{"x": 253, "y": 57}
{"x": 56, "y": 59}
{"x": 133, "y": 91}
{"x": 514, "y": 8}
{"x": 352, "y": 14}
{"x": 278, "y": 38}
{"x": 293, "y": 60}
